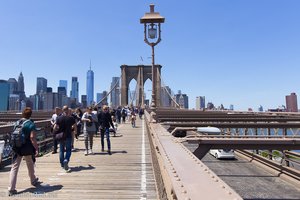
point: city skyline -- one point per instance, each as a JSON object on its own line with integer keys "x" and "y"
{"x": 234, "y": 53}
{"x": 17, "y": 87}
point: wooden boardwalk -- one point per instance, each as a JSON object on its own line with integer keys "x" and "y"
{"x": 126, "y": 174}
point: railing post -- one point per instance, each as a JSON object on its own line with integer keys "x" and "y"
{"x": 270, "y": 151}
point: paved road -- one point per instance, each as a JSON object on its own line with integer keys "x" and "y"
{"x": 250, "y": 181}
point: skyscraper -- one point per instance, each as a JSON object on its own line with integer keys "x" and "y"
{"x": 21, "y": 83}
{"x": 200, "y": 103}
{"x": 90, "y": 86}
{"x": 13, "y": 85}
{"x": 99, "y": 97}
{"x": 21, "y": 87}
{"x": 64, "y": 83}
{"x": 75, "y": 89}
{"x": 4, "y": 91}
{"x": 165, "y": 93}
{"x": 14, "y": 103}
{"x": 182, "y": 99}
{"x": 62, "y": 94}
{"x": 83, "y": 101}
{"x": 41, "y": 85}
{"x": 115, "y": 93}
{"x": 291, "y": 103}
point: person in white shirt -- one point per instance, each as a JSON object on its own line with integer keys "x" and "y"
{"x": 57, "y": 112}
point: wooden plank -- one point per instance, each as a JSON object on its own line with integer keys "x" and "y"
{"x": 98, "y": 176}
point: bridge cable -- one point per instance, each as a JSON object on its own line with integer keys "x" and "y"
{"x": 108, "y": 92}
{"x": 134, "y": 95}
{"x": 164, "y": 86}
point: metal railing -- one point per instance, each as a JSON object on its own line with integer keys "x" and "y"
{"x": 44, "y": 138}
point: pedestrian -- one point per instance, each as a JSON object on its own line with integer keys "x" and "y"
{"x": 89, "y": 129}
{"x": 123, "y": 114}
{"x": 95, "y": 112}
{"x": 141, "y": 112}
{"x": 105, "y": 121}
{"x": 65, "y": 123}
{"x": 133, "y": 118}
{"x": 78, "y": 115}
{"x": 118, "y": 115}
{"x": 73, "y": 128}
{"x": 28, "y": 150}
{"x": 57, "y": 112}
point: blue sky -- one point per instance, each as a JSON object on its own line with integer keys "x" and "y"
{"x": 240, "y": 52}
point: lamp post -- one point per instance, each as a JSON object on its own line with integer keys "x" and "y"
{"x": 152, "y": 21}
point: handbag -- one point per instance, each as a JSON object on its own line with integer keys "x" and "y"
{"x": 60, "y": 136}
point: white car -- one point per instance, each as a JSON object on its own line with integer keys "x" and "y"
{"x": 222, "y": 153}
{"x": 218, "y": 153}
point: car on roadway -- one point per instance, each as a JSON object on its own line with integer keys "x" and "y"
{"x": 217, "y": 153}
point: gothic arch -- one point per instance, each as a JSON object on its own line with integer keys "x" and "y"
{"x": 140, "y": 73}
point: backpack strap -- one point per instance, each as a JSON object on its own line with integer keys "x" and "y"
{"x": 21, "y": 121}
{"x": 27, "y": 120}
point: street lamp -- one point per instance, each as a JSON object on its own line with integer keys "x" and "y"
{"x": 152, "y": 32}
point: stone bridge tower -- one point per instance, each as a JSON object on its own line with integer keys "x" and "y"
{"x": 140, "y": 73}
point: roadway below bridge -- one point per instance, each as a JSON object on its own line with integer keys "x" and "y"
{"x": 249, "y": 180}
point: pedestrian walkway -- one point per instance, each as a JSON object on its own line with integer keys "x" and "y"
{"x": 126, "y": 174}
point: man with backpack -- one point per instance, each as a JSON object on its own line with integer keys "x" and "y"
{"x": 24, "y": 144}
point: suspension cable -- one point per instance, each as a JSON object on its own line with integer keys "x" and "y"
{"x": 164, "y": 86}
{"x": 108, "y": 92}
{"x": 134, "y": 95}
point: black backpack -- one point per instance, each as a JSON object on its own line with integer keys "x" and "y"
{"x": 18, "y": 137}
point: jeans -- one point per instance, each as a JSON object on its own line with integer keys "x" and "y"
{"x": 106, "y": 131}
{"x": 88, "y": 137}
{"x": 65, "y": 147}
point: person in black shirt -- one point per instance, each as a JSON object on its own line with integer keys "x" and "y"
{"x": 65, "y": 123}
{"x": 78, "y": 115}
{"x": 105, "y": 121}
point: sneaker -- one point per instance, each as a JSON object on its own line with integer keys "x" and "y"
{"x": 35, "y": 182}
{"x": 54, "y": 152}
{"x": 68, "y": 171}
{"x": 109, "y": 152}
{"x": 12, "y": 192}
{"x": 66, "y": 166}
{"x": 102, "y": 149}
{"x": 91, "y": 152}
{"x": 86, "y": 152}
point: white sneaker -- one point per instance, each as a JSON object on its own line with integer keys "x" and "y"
{"x": 91, "y": 152}
{"x": 86, "y": 152}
